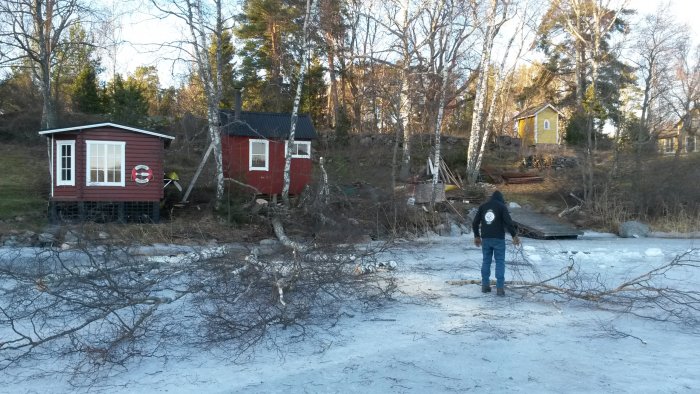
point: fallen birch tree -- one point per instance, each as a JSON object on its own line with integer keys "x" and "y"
{"x": 657, "y": 294}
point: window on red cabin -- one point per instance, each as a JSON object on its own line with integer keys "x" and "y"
{"x": 301, "y": 149}
{"x": 65, "y": 163}
{"x": 105, "y": 163}
{"x": 259, "y": 156}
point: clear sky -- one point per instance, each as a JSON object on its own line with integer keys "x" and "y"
{"x": 686, "y": 11}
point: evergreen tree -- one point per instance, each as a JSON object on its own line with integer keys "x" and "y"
{"x": 128, "y": 104}
{"x": 77, "y": 63}
{"x": 565, "y": 37}
{"x": 145, "y": 79}
{"x": 269, "y": 30}
{"x": 85, "y": 94}
{"x": 227, "y": 73}
{"x": 314, "y": 100}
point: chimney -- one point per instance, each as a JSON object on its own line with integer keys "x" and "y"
{"x": 237, "y": 103}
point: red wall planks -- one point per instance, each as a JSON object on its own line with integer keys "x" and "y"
{"x": 236, "y": 165}
{"x": 140, "y": 149}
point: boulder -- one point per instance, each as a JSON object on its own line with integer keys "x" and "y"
{"x": 633, "y": 229}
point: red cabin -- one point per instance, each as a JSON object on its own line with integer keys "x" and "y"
{"x": 106, "y": 172}
{"x": 254, "y": 146}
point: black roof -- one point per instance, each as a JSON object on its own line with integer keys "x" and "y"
{"x": 266, "y": 125}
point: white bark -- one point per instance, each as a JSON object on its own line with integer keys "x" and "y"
{"x": 501, "y": 88}
{"x": 283, "y": 238}
{"x": 201, "y": 28}
{"x": 475, "y": 148}
{"x": 437, "y": 159}
{"x": 310, "y": 11}
{"x": 404, "y": 99}
{"x": 449, "y": 35}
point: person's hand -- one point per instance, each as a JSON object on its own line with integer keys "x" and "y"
{"x": 516, "y": 241}
{"x": 477, "y": 242}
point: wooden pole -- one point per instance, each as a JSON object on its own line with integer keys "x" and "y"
{"x": 196, "y": 174}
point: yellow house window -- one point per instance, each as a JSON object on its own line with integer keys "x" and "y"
{"x": 546, "y": 124}
{"x": 690, "y": 144}
{"x": 668, "y": 145}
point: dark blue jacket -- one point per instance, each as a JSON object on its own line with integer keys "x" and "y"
{"x": 493, "y": 219}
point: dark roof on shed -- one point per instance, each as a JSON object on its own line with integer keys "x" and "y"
{"x": 266, "y": 125}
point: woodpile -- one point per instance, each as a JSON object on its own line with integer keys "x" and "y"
{"x": 521, "y": 177}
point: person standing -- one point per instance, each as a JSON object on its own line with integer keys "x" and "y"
{"x": 490, "y": 223}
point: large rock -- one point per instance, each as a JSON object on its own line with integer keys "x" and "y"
{"x": 633, "y": 229}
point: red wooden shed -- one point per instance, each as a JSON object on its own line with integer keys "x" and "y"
{"x": 254, "y": 146}
{"x": 105, "y": 172}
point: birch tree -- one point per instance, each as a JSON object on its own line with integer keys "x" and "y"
{"x": 205, "y": 22}
{"x": 684, "y": 96}
{"x": 659, "y": 39}
{"x": 495, "y": 15}
{"x": 526, "y": 12}
{"x": 402, "y": 27}
{"x": 32, "y": 31}
{"x": 311, "y": 6}
{"x": 448, "y": 27}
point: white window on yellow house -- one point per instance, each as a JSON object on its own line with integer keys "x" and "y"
{"x": 690, "y": 144}
{"x": 668, "y": 145}
{"x": 546, "y": 124}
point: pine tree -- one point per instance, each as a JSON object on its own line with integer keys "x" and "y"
{"x": 128, "y": 104}
{"x": 85, "y": 94}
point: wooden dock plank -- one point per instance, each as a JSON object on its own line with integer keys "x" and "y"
{"x": 540, "y": 226}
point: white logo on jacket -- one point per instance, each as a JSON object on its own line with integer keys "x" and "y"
{"x": 489, "y": 216}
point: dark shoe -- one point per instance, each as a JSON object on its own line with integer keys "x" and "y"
{"x": 485, "y": 289}
{"x": 501, "y": 292}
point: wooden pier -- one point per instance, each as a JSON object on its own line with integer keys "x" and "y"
{"x": 536, "y": 225}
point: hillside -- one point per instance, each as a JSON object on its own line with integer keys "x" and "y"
{"x": 359, "y": 173}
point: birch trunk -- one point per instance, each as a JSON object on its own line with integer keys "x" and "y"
{"x": 497, "y": 92}
{"x": 437, "y": 159}
{"x": 310, "y": 8}
{"x": 404, "y": 99}
{"x": 404, "y": 115}
{"x": 211, "y": 80}
{"x": 333, "y": 102}
{"x": 475, "y": 147}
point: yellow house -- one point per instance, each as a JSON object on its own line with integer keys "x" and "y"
{"x": 538, "y": 125}
{"x": 680, "y": 139}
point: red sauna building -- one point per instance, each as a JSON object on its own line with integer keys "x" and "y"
{"x": 105, "y": 172}
{"x": 254, "y": 146}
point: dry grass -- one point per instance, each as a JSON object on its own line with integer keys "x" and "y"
{"x": 23, "y": 186}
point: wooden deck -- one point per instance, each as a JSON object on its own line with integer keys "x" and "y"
{"x": 535, "y": 225}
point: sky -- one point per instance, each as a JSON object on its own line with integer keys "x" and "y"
{"x": 141, "y": 31}
{"x": 437, "y": 337}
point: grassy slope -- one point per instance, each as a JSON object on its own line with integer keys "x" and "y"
{"x": 23, "y": 182}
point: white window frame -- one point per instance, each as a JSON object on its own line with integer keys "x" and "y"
{"x": 546, "y": 124}
{"x": 695, "y": 146}
{"x": 251, "y": 167}
{"x": 296, "y": 154}
{"x": 668, "y": 145}
{"x": 88, "y": 158}
{"x": 59, "y": 163}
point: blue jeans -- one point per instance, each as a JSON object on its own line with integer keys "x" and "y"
{"x": 496, "y": 248}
